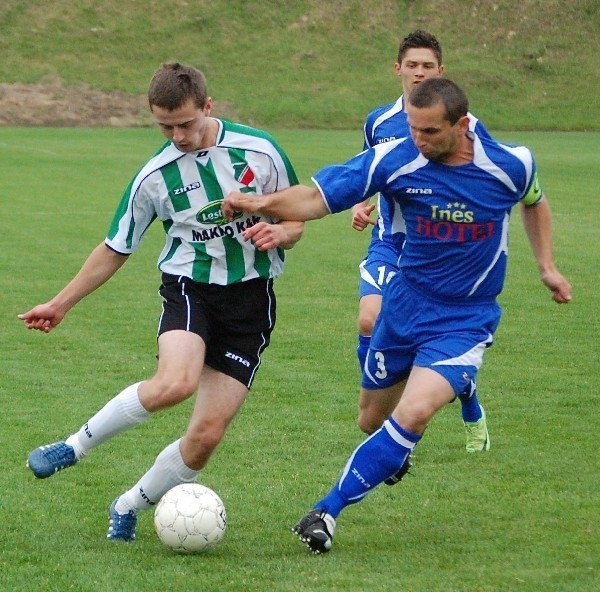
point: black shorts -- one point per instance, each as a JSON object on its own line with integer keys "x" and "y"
{"x": 234, "y": 321}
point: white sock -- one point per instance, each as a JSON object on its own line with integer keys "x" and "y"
{"x": 167, "y": 471}
{"x": 120, "y": 413}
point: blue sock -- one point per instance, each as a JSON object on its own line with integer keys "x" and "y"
{"x": 377, "y": 458}
{"x": 364, "y": 341}
{"x": 470, "y": 408}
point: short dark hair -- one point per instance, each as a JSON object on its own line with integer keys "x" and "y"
{"x": 433, "y": 90}
{"x": 173, "y": 84}
{"x": 420, "y": 39}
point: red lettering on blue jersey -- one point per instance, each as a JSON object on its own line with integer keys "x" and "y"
{"x": 454, "y": 231}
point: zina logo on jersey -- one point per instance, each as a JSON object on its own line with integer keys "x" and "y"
{"x": 419, "y": 191}
{"x": 186, "y": 188}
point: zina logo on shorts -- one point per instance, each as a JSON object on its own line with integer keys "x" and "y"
{"x": 237, "y": 359}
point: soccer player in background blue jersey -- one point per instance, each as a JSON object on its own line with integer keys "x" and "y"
{"x": 439, "y": 312}
{"x": 419, "y": 58}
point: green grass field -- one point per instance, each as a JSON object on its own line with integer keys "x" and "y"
{"x": 523, "y": 517}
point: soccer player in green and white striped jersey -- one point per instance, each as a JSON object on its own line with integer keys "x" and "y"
{"x": 185, "y": 189}
{"x": 217, "y": 287}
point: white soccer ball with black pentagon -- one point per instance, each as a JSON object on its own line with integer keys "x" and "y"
{"x": 190, "y": 518}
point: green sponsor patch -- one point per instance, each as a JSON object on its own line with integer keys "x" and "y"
{"x": 213, "y": 214}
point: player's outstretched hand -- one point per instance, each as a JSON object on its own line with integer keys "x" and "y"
{"x": 43, "y": 317}
{"x": 240, "y": 202}
{"x": 266, "y": 236}
{"x": 559, "y": 286}
{"x": 361, "y": 216}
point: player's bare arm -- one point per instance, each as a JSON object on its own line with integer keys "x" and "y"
{"x": 100, "y": 266}
{"x": 267, "y": 236}
{"x": 361, "y": 215}
{"x": 537, "y": 221}
{"x": 300, "y": 203}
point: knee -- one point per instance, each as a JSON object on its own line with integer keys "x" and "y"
{"x": 369, "y": 422}
{"x": 366, "y": 321}
{"x": 368, "y": 311}
{"x": 178, "y": 389}
{"x": 159, "y": 393}
{"x": 415, "y": 418}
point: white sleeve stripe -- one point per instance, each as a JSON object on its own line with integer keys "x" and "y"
{"x": 481, "y": 160}
{"x": 381, "y": 150}
{"x": 410, "y": 167}
{"x": 322, "y": 194}
{"x": 397, "y": 108}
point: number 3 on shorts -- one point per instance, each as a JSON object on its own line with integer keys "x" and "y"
{"x": 381, "y": 371}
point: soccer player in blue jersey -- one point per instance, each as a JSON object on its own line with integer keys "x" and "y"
{"x": 419, "y": 58}
{"x": 439, "y": 311}
{"x": 218, "y": 301}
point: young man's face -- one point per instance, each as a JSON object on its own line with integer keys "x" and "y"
{"x": 418, "y": 64}
{"x": 186, "y": 126}
{"x": 435, "y": 137}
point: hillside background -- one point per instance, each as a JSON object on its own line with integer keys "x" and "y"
{"x": 525, "y": 64}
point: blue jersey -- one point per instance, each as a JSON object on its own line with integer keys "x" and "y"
{"x": 456, "y": 217}
{"x": 386, "y": 124}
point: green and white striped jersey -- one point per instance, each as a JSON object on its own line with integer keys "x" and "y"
{"x": 185, "y": 191}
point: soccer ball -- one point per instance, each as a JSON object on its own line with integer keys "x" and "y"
{"x": 190, "y": 518}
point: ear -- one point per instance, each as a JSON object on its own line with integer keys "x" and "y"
{"x": 397, "y": 69}
{"x": 207, "y": 107}
{"x": 441, "y": 70}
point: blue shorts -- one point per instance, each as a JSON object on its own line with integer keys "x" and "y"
{"x": 415, "y": 330}
{"x": 377, "y": 268}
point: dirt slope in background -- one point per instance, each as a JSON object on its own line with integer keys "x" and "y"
{"x": 54, "y": 105}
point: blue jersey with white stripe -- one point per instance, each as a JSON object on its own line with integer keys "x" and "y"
{"x": 456, "y": 217}
{"x": 386, "y": 124}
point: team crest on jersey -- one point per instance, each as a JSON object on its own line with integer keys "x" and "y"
{"x": 213, "y": 214}
{"x": 243, "y": 173}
